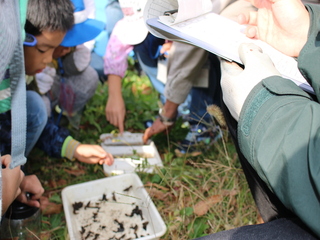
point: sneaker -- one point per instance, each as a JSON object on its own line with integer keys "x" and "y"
{"x": 199, "y": 135}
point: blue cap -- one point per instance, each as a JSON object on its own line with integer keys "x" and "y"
{"x": 84, "y": 29}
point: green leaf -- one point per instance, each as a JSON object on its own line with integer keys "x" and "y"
{"x": 188, "y": 211}
{"x": 156, "y": 179}
{"x": 55, "y": 220}
{"x": 199, "y": 226}
{"x": 55, "y": 198}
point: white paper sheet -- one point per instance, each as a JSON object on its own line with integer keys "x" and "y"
{"x": 220, "y": 36}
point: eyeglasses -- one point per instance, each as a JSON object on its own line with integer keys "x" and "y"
{"x": 30, "y": 40}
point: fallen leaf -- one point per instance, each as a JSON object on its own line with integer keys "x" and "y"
{"x": 45, "y": 236}
{"x": 203, "y": 207}
{"x": 56, "y": 184}
{"x": 48, "y": 207}
{"x": 146, "y": 90}
{"x": 134, "y": 89}
{"x": 259, "y": 219}
{"x": 149, "y": 184}
{"x": 75, "y": 172}
{"x": 190, "y": 154}
{"x": 232, "y": 192}
{"x": 155, "y": 193}
{"x": 195, "y": 154}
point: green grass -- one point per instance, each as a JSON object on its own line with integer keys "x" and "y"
{"x": 178, "y": 189}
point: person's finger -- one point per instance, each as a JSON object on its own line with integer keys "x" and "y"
{"x": 242, "y": 19}
{"x": 106, "y": 113}
{"x": 37, "y": 194}
{"x": 5, "y": 160}
{"x": 230, "y": 69}
{"x": 249, "y": 52}
{"x": 256, "y": 61}
{"x": 22, "y": 197}
{"x": 21, "y": 176}
{"x": 109, "y": 118}
{"x": 113, "y": 120}
{"x": 33, "y": 203}
{"x": 121, "y": 125}
{"x": 249, "y": 19}
{"x": 252, "y": 18}
{"x": 252, "y": 32}
{"x": 18, "y": 192}
{"x": 109, "y": 161}
{"x": 147, "y": 134}
{"x": 100, "y": 152}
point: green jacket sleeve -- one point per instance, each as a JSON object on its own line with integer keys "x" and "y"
{"x": 279, "y": 133}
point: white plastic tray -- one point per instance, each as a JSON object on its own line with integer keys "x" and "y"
{"x": 126, "y": 138}
{"x": 129, "y": 158}
{"x": 123, "y": 193}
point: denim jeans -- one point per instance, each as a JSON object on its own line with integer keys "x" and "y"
{"x": 36, "y": 119}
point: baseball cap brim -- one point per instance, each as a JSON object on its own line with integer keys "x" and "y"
{"x": 132, "y": 32}
{"x": 82, "y": 32}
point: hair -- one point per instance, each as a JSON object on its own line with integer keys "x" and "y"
{"x": 49, "y": 15}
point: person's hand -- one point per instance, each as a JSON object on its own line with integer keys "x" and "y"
{"x": 283, "y": 24}
{"x": 11, "y": 180}
{"x": 45, "y": 79}
{"x": 166, "y": 47}
{"x": 93, "y": 154}
{"x": 157, "y": 127}
{"x": 237, "y": 83}
{"x": 44, "y": 82}
{"x": 116, "y": 112}
{"x": 31, "y": 191}
{"x": 169, "y": 110}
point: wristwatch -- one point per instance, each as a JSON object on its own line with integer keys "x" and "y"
{"x": 165, "y": 120}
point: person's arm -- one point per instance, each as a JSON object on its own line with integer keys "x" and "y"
{"x": 115, "y": 107}
{"x": 52, "y": 139}
{"x": 278, "y": 131}
{"x": 76, "y": 61}
{"x": 87, "y": 153}
{"x": 279, "y": 134}
{"x": 184, "y": 66}
{"x": 115, "y": 66}
{"x": 11, "y": 179}
{"x": 169, "y": 112}
{"x": 307, "y": 60}
{"x": 56, "y": 142}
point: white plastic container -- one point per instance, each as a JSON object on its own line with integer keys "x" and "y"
{"x": 118, "y": 197}
{"x": 127, "y": 138}
{"x": 130, "y": 154}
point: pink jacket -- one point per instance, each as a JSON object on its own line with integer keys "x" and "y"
{"x": 115, "y": 59}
